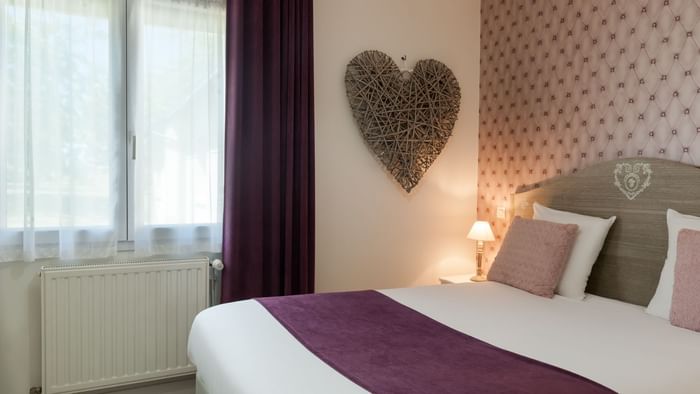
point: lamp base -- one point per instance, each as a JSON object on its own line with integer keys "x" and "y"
{"x": 478, "y": 278}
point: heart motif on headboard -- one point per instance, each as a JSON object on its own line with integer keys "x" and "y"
{"x": 632, "y": 178}
{"x": 406, "y": 117}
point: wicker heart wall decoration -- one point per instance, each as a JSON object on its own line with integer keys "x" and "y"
{"x": 406, "y": 117}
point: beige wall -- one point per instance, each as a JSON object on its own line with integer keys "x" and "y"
{"x": 20, "y": 327}
{"x": 370, "y": 233}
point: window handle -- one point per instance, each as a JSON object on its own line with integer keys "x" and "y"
{"x": 133, "y": 147}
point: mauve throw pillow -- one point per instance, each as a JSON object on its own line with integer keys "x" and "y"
{"x": 533, "y": 255}
{"x": 685, "y": 304}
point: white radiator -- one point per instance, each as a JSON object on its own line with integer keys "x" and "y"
{"x": 114, "y": 324}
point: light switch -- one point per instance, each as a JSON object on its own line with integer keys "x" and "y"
{"x": 501, "y": 212}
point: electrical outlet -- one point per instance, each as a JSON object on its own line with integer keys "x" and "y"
{"x": 501, "y": 212}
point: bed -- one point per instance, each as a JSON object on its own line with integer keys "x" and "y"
{"x": 607, "y": 338}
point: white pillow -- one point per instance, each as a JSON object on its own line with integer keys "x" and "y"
{"x": 660, "y": 304}
{"x": 591, "y": 237}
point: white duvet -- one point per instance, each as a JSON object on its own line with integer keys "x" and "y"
{"x": 240, "y": 348}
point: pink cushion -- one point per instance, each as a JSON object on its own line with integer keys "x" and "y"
{"x": 685, "y": 305}
{"x": 533, "y": 255}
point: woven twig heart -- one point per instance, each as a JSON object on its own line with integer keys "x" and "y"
{"x": 405, "y": 117}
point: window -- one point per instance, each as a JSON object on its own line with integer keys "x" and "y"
{"x": 111, "y": 127}
{"x": 176, "y": 106}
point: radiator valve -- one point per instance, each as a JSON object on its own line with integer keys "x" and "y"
{"x": 217, "y": 264}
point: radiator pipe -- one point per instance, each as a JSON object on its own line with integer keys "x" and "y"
{"x": 216, "y": 267}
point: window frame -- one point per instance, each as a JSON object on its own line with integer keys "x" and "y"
{"x": 125, "y": 225}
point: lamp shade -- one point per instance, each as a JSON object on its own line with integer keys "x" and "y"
{"x": 481, "y": 231}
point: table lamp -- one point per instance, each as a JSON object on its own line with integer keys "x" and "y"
{"x": 480, "y": 232}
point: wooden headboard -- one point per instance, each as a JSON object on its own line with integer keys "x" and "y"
{"x": 638, "y": 192}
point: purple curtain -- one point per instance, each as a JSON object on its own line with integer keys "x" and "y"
{"x": 268, "y": 245}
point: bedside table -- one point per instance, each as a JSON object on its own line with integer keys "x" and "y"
{"x": 453, "y": 279}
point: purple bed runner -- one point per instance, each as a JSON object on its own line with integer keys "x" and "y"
{"x": 386, "y": 347}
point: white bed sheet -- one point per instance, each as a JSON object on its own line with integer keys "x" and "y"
{"x": 240, "y": 348}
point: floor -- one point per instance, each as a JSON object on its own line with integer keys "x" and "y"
{"x": 184, "y": 386}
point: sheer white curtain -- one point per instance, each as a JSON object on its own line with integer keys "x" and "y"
{"x": 176, "y": 111}
{"x": 60, "y": 126}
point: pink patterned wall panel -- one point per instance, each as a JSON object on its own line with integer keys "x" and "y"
{"x": 568, "y": 83}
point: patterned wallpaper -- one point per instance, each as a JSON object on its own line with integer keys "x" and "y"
{"x": 568, "y": 83}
